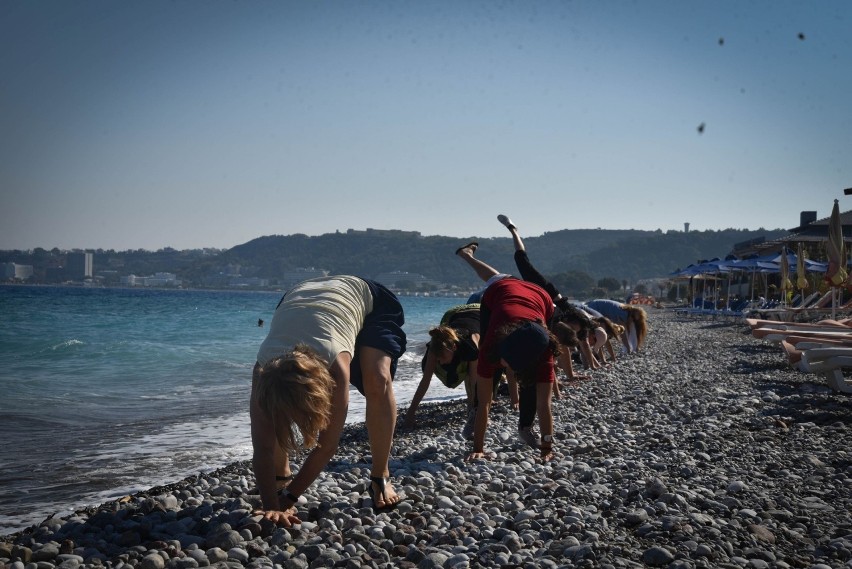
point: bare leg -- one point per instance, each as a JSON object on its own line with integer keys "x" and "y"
{"x": 516, "y": 239}
{"x": 793, "y": 355}
{"x": 528, "y": 272}
{"x": 483, "y": 270}
{"x": 381, "y": 418}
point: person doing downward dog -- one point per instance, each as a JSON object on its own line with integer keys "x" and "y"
{"x": 451, "y": 354}
{"x": 326, "y": 334}
{"x": 632, "y": 318}
{"x": 513, "y": 317}
{"x": 566, "y": 312}
{"x": 602, "y": 341}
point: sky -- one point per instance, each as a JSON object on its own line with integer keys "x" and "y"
{"x": 190, "y": 124}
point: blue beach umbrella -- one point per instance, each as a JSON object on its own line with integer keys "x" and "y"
{"x": 754, "y": 265}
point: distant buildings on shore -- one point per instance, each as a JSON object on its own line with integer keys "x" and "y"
{"x": 16, "y": 272}
{"x": 156, "y": 280}
{"x": 78, "y": 268}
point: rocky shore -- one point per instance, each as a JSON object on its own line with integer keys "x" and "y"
{"x": 706, "y": 450}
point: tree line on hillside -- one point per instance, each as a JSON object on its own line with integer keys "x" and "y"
{"x": 575, "y": 259}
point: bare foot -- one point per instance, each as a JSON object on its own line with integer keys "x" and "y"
{"x": 468, "y": 249}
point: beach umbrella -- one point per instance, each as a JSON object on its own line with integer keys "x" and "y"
{"x": 836, "y": 274}
{"x": 754, "y": 265}
{"x": 711, "y": 267}
{"x": 801, "y": 276}
{"x": 786, "y": 285}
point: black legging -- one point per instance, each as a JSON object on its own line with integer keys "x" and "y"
{"x": 530, "y": 274}
{"x": 526, "y": 404}
{"x": 563, "y": 305}
{"x": 526, "y": 394}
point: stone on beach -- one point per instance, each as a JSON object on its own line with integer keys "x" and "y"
{"x": 704, "y": 450}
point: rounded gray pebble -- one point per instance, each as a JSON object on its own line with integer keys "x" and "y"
{"x": 704, "y": 450}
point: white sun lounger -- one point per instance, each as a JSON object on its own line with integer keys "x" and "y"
{"x": 830, "y": 363}
{"x": 776, "y": 335}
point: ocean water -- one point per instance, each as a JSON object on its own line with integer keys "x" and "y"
{"x": 106, "y": 392}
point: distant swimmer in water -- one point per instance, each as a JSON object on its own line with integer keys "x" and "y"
{"x": 260, "y": 322}
{"x": 326, "y": 334}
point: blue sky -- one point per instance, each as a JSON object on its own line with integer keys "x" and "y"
{"x": 191, "y": 124}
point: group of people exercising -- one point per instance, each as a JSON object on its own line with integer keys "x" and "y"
{"x": 333, "y": 332}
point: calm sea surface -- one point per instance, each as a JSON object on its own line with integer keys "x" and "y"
{"x": 106, "y": 392}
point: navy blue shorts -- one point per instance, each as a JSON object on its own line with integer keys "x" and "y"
{"x": 382, "y": 330}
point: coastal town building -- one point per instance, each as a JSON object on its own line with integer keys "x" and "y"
{"x": 156, "y": 280}
{"x": 79, "y": 266}
{"x": 404, "y": 279}
{"x": 299, "y": 274}
{"x": 248, "y": 282}
{"x": 16, "y": 272}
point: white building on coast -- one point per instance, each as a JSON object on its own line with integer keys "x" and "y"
{"x": 299, "y": 274}
{"x": 156, "y": 280}
{"x": 16, "y": 272}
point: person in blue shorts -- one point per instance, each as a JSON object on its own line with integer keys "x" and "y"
{"x": 326, "y": 334}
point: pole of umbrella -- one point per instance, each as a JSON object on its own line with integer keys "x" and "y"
{"x": 833, "y": 302}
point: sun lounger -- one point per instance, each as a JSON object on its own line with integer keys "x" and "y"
{"x": 830, "y": 363}
{"x": 795, "y": 346}
{"x": 778, "y": 335}
{"x": 789, "y": 313}
{"x": 761, "y": 323}
{"x": 770, "y": 332}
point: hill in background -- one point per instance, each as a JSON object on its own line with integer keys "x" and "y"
{"x": 566, "y": 255}
{"x": 622, "y": 254}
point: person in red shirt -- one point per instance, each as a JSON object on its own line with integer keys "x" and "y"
{"x": 514, "y": 316}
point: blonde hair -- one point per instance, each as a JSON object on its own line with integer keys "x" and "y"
{"x": 444, "y": 339}
{"x": 611, "y": 328}
{"x": 637, "y": 315}
{"x": 296, "y": 390}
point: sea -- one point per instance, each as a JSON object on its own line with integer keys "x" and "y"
{"x": 105, "y": 392}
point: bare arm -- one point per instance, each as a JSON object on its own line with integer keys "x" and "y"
{"x": 484, "y": 394}
{"x": 568, "y": 366}
{"x": 428, "y": 371}
{"x": 611, "y": 351}
{"x": 544, "y": 392}
{"x": 588, "y": 356}
{"x": 264, "y": 442}
{"x": 327, "y": 441}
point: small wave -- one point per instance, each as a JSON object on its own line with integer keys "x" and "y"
{"x": 67, "y": 344}
{"x": 410, "y": 357}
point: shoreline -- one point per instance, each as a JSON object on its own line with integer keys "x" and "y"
{"x": 706, "y": 450}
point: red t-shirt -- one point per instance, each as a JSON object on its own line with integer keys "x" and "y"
{"x": 510, "y": 300}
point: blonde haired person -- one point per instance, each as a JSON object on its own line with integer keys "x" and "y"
{"x": 610, "y": 330}
{"x": 326, "y": 334}
{"x": 633, "y": 318}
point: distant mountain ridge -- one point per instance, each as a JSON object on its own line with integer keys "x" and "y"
{"x": 592, "y": 253}
{"x": 622, "y": 254}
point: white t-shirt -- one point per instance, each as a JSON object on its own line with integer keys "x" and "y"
{"x": 325, "y": 313}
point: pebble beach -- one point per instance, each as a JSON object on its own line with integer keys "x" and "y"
{"x": 704, "y": 450}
